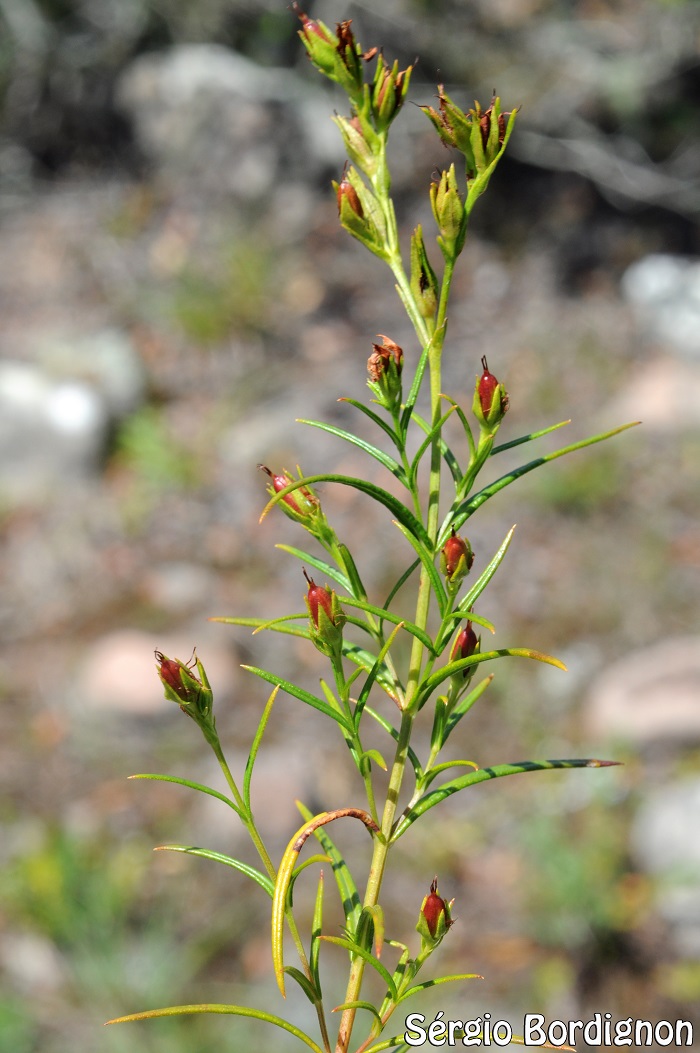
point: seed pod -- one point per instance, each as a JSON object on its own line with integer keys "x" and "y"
{"x": 490, "y": 399}
{"x": 326, "y": 618}
{"x": 456, "y": 558}
{"x": 434, "y": 919}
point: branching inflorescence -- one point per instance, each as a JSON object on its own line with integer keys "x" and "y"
{"x": 435, "y": 680}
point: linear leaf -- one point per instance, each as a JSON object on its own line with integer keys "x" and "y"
{"x": 465, "y": 705}
{"x": 304, "y": 982}
{"x": 277, "y": 625}
{"x": 469, "y": 507}
{"x": 395, "y": 506}
{"x": 388, "y": 727}
{"x": 379, "y": 455}
{"x": 440, "y": 980}
{"x": 256, "y": 745}
{"x": 433, "y": 681}
{"x": 527, "y": 438}
{"x": 431, "y": 775}
{"x": 445, "y": 450}
{"x": 401, "y": 582}
{"x": 375, "y": 418}
{"x": 358, "y": 1005}
{"x": 313, "y": 561}
{"x": 230, "y": 1010}
{"x": 447, "y": 454}
{"x": 316, "y": 930}
{"x": 396, "y": 1042}
{"x": 347, "y": 888}
{"x": 193, "y": 786}
{"x": 218, "y": 857}
{"x": 382, "y": 613}
{"x": 355, "y": 948}
{"x": 415, "y": 386}
{"x": 496, "y": 771}
{"x": 368, "y": 662}
{"x": 372, "y": 676}
{"x": 426, "y": 558}
{"x": 485, "y": 577}
{"x": 300, "y": 693}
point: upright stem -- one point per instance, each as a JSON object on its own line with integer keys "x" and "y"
{"x": 383, "y": 839}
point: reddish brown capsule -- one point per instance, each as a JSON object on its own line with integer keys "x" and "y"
{"x": 456, "y": 550}
{"x": 301, "y": 501}
{"x": 487, "y": 387}
{"x": 464, "y": 646}
{"x": 170, "y": 672}
{"x": 317, "y": 597}
{"x": 433, "y": 907}
{"x": 347, "y": 191}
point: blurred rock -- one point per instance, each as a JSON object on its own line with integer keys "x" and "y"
{"x": 664, "y": 845}
{"x": 49, "y": 430}
{"x": 664, "y": 291}
{"x": 210, "y": 118}
{"x": 664, "y": 394}
{"x": 649, "y": 696}
{"x": 118, "y": 671}
{"x": 33, "y": 963}
{"x": 56, "y": 412}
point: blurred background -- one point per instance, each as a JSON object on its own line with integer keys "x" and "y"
{"x": 174, "y": 292}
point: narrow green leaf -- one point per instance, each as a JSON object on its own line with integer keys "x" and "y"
{"x": 445, "y": 451}
{"x": 300, "y": 693}
{"x": 496, "y": 771}
{"x": 434, "y": 772}
{"x": 388, "y": 727}
{"x": 368, "y": 661}
{"x": 372, "y": 675}
{"x": 465, "y": 705}
{"x": 440, "y": 980}
{"x": 230, "y": 1010}
{"x": 385, "y": 615}
{"x": 304, "y": 982}
{"x": 277, "y": 625}
{"x": 433, "y": 681}
{"x": 318, "y": 564}
{"x": 218, "y": 857}
{"x": 192, "y": 786}
{"x": 400, "y": 583}
{"x": 358, "y": 590}
{"x": 354, "y": 948}
{"x": 355, "y": 440}
{"x": 377, "y": 915}
{"x": 316, "y": 930}
{"x": 465, "y": 424}
{"x": 527, "y": 438}
{"x": 397, "y": 1042}
{"x": 376, "y": 419}
{"x": 256, "y": 745}
{"x": 415, "y": 386}
{"x": 396, "y": 507}
{"x": 427, "y": 442}
{"x": 485, "y": 577}
{"x": 347, "y": 888}
{"x": 469, "y": 507}
{"x": 373, "y": 755}
{"x": 424, "y": 555}
{"x": 358, "y": 1005}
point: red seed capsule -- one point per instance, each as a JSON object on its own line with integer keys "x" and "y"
{"x": 433, "y": 906}
{"x": 318, "y": 598}
{"x": 453, "y": 550}
{"x": 464, "y": 646}
{"x": 487, "y": 387}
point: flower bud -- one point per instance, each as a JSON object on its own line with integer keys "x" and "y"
{"x": 384, "y": 366}
{"x": 191, "y": 691}
{"x": 434, "y": 919}
{"x": 448, "y": 210}
{"x": 424, "y": 283}
{"x": 326, "y": 618}
{"x": 320, "y": 43}
{"x": 300, "y": 504}
{"x": 347, "y": 197}
{"x": 456, "y": 558}
{"x": 466, "y": 644}
{"x": 389, "y": 91}
{"x": 490, "y": 399}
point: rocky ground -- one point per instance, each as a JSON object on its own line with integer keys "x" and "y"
{"x": 162, "y": 329}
